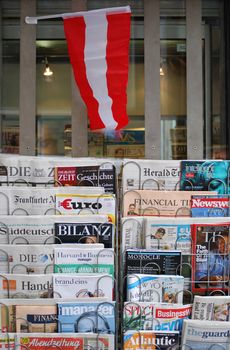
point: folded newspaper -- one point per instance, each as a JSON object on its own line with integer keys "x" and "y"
{"x": 150, "y": 174}
{"x": 211, "y": 308}
{"x": 157, "y": 288}
{"x": 132, "y": 232}
{"x": 205, "y": 335}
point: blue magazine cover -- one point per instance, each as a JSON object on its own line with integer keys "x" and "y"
{"x": 205, "y": 175}
{"x": 85, "y": 317}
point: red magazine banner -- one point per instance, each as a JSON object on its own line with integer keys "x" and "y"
{"x": 210, "y": 257}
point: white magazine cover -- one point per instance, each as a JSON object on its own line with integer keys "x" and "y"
{"x": 83, "y": 260}
{"x": 216, "y": 308}
{"x": 38, "y": 229}
{"x": 150, "y": 174}
{"x": 205, "y": 335}
{"x": 26, "y": 286}
{"x": 66, "y": 341}
{"x": 40, "y": 170}
{"x": 76, "y": 203}
{"x": 132, "y": 232}
{"x": 36, "y": 201}
{"x": 25, "y": 258}
{"x": 157, "y": 288}
{"x": 83, "y": 285}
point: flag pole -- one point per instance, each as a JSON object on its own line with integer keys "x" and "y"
{"x": 34, "y": 20}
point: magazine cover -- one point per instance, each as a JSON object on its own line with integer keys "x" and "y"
{"x": 158, "y": 288}
{"x": 153, "y": 262}
{"x": 80, "y": 341}
{"x": 88, "y": 316}
{"x": 168, "y": 233}
{"x": 204, "y": 175}
{"x": 210, "y": 258}
{"x": 150, "y": 174}
{"x": 208, "y": 335}
{"x": 25, "y": 286}
{"x": 210, "y": 206}
{"x": 83, "y": 260}
{"x": 25, "y": 258}
{"x": 73, "y": 204}
{"x": 35, "y": 201}
{"x": 213, "y": 308}
{"x": 132, "y": 232}
{"x": 153, "y": 340}
{"x": 90, "y": 175}
{"x": 32, "y": 319}
{"x": 73, "y": 286}
{"x": 155, "y": 316}
{"x": 157, "y": 203}
{"x": 85, "y": 231}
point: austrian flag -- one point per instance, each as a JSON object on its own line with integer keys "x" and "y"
{"x": 98, "y": 45}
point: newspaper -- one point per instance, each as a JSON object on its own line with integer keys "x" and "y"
{"x": 147, "y": 340}
{"x": 36, "y": 201}
{"x": 205, "y": 175}
{"x": 83, "y": 285}
{"x": 155, "y": 316}
{"x": 73, "y": 204}
{"x": 103, "y": 175}
{"x": 83, "y": 260}
{"x": 216, "y": 308}
{"x": 131, "y": 232}
{"x": 150, "y": 174}
{"x": 66, "y": 341}
{"x": 157, "y": 288}
{"x": 205, "y": 335}
{"x": 40, "y": 229}
{"x": 38, "y": 170}
{"x": 25, "y": 286}
{"x": 157, "y": 203}
{"x": 31, "y": 259}
{"x": 87, "y": 316}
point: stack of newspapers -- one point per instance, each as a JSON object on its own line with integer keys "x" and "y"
{"x": 175, "y": 217}
{"x": 58, "y": 253}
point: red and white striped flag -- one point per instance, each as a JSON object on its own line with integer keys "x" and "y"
{"x": 98, "y": 44}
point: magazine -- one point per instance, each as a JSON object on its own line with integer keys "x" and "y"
{"x": 32, "y": 319}
{"x": 205, "y": 335}
{"x": 157, "y": 288}
{"x": 74, "y": 204}
{"x": 66, "y": 341}
{"x": 150, "y": 174}
{"x": 157, "y": 203}
{"x": 40, "y": 229}
{"x": 25, "y": 258}
{"x": 83, "y": 285}
{"x": 210, "y": 258}
{"x": 155, "y": 316}
{"x": 154, "y": 340}
{"x": 35, "y": 201}
{"x": 85, "y": 231}
{"x": 103, "y": 175}
{"x": 87, "y": 316}
{"x": 153, "y": 262}
{"x": 204, "y": 175}
{"x": 216, "y": 308}
{"x": 210, "y": 206}
{"x": 7, "y": 341}
{"x": 132, "y": 232}
{"x": 25, "y": 286}
{"x": 84, "y": 260}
